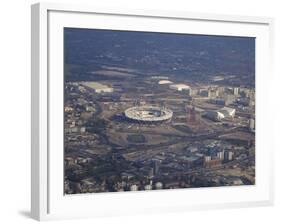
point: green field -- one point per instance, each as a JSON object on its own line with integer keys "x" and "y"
{"x": 136, "y": 138}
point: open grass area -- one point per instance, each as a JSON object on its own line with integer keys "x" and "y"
{"x": 136, "y": 138}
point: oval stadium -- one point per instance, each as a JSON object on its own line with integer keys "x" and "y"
{"x": 148, "y": 114}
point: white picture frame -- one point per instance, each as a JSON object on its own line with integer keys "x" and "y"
{"x": 48, "y": 201}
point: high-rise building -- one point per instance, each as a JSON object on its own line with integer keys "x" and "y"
{"x": 229, "y": 99}
{"x": 194, "y": 92}
{"x": 207, "y": 158}
{"x": 228, "y": 155}
{"x": 213, "y": 93}
{"x": 236, "y": 91}
{"x": 221, "y": 90}
{"x": 204, "y": 92}
{"x": 220, "y": 155}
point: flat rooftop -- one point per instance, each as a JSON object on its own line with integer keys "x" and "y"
{"x": 95, "y": 85}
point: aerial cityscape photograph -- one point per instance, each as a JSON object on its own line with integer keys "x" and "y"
{"x": 155, "y": 111}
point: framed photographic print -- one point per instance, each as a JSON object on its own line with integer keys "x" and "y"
{"x": 148, "y": 111}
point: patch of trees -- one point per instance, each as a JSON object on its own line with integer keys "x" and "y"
{"x": 96, "y": 125}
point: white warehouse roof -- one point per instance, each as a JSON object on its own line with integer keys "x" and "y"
{"x": 217, "y": 115}
{"x": 162, "y": 82}
{"x": 98, "y": 87}
{"x": 227, "y": 112}
{"x": 214, "y": 115}
{"x": 179, "y": 87}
